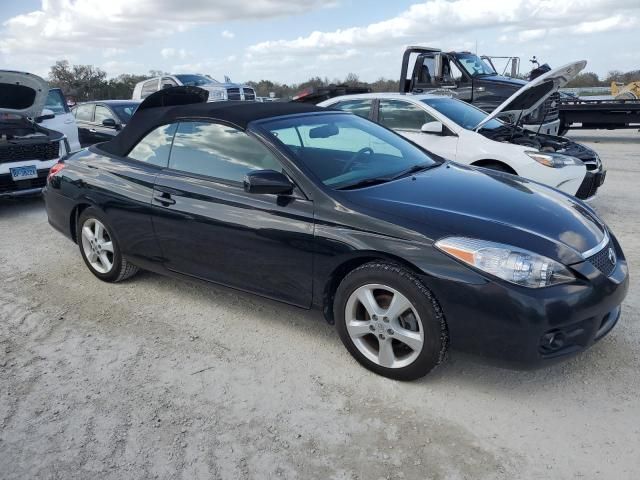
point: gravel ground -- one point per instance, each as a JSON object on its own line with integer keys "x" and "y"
{"x": 158, "y": 378}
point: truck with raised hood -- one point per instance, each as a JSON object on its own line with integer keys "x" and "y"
{"x": 27, "y": 148}
{"x": 466, "y": 76}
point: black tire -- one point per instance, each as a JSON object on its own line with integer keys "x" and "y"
{"x": 436, "y": 337}
{"x": 121, "y": 268}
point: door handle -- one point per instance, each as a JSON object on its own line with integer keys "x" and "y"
{"x": 164, "y": 198}
{"x": 92, "y": 130}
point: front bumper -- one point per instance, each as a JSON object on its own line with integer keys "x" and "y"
{"x": 531, "y": 328}
{"x": 10, "y": 188}
{"x": 589, "y": 186}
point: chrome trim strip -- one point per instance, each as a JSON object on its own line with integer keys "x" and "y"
{"x": 598, "y": 247}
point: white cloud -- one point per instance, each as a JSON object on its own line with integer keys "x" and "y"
{"x": 174, "y": 53}
{"x": 72, "y": 26}
{"x": 526, "y": 20}
{"x": 228, "y": 34}
{"x": 112, "y": 52}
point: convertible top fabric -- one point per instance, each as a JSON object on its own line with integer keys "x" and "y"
{"x": 236, "y": 113}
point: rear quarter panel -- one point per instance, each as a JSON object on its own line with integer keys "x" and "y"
{"x": 121, "y": 190}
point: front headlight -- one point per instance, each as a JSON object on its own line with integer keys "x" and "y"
{"x": 512, "y": 264}
{"x": 553, "y": 160}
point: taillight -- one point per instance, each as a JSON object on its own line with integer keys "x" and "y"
{"x": 55, "y": 169}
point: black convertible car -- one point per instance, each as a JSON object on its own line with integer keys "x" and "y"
{"x": 405, "y": 252}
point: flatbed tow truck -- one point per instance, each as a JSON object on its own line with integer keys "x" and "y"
{"x": 582, "y": 112}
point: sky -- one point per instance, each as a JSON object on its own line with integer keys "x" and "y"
{"x": 289, "y": 41}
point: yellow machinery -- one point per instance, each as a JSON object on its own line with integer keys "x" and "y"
{"x": 625, "y": 92}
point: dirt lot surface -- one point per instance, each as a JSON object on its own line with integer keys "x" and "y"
{"x": 158, "y": 378}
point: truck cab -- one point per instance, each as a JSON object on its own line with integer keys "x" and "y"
{"x": 468, "y": 77}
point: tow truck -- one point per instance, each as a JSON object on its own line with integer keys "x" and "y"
{"x": 466, "y": 76}
{"x": 576, "y": 112}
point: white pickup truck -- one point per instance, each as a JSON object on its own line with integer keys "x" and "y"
{"x": 217, "y": 90}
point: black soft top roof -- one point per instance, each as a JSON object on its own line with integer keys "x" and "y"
{"x": 154, "y": 112}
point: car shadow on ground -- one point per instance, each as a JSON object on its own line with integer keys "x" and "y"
{"x": 457, "y": 369}
{"x": 19, "y": 206}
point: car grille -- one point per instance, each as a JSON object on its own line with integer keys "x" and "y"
{"x": 237, "y": 94}
{"x": 7, "y": 184}
{"x": 551, "y": 108}
{"x": 40, "y": 151}
{"x": 249, "y": 94}
{"x": 589, "y": 186}
{"x": 602, "y": 261}
{"x": 233, "y": 94}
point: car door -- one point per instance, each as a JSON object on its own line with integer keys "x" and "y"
{"x": 100, "y": 131}
{"x": 407, "y": 119}
{"x": 64, "y": 121}
{"x": 209, "y": 227}
{"x": 84, "y": 119}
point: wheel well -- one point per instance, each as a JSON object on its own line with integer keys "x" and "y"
{"x": 342, "y": 270}
{"x": 73, "y": 219}
{"x": 494, "y": 163}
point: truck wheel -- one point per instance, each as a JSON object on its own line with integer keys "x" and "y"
{"x": 390, "y": 322}
{"x": 100, "y": 250}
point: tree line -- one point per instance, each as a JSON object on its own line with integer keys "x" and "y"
{"x": 86, "y": 82}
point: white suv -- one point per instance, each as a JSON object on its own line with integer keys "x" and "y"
{"x": 28, "y": 148}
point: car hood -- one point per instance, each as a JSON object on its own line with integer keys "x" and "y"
{"x": 22, "y": 93}
{"x": 453, "y": 199}
{"x": 534, "y": 93}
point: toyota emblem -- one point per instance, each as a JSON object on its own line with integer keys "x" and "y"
{"x": 612, "y": 256}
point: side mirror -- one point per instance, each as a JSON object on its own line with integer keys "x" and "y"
{"x": 267, "y": 181}
{"x": 166, "y": 85}
{"x": 46, "y": 115}
{"x": 432, "y": 127}
{"x": 110, "y": 122}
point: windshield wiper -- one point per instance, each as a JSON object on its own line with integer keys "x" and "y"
{"x": 366, "y": 182}
{"x": 413, "y": 169}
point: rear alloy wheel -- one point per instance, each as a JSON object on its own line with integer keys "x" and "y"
{"x": 390, "y": 322}
{"x": 100, "y": 250}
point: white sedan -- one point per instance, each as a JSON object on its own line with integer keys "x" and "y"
{"x": 445, "y": 126}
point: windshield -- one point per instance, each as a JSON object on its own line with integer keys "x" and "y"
{"x": 465, "y": 115}
{"x": 474, "y": 65}
{"x": 124, "y": 112}
{"x": 346, "y": 151}
{"x": 195, "y": 80}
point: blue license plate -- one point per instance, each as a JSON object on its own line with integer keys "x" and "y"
{"x": 24, "y": 173}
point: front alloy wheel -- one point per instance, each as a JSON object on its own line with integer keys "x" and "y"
{"x": 389, "y": 321}
{"x": 384, "y": 325}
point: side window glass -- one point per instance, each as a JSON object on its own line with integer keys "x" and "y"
{"x": 149, "y": 87}
{"x": 102, "y": 113}
{"x": 218, "y": 151}
{"x": 358, "y": 107}
{"x": 168, "y": 82}
{"x": 84, "y": 112}
{"x": 56, "y": 103}
{"x": 456, "y": 73}
{"x": 399, "y": 115}
{"x": 154, "y": 148}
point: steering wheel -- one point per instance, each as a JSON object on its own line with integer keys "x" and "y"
{"x": 355, "y": 157}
